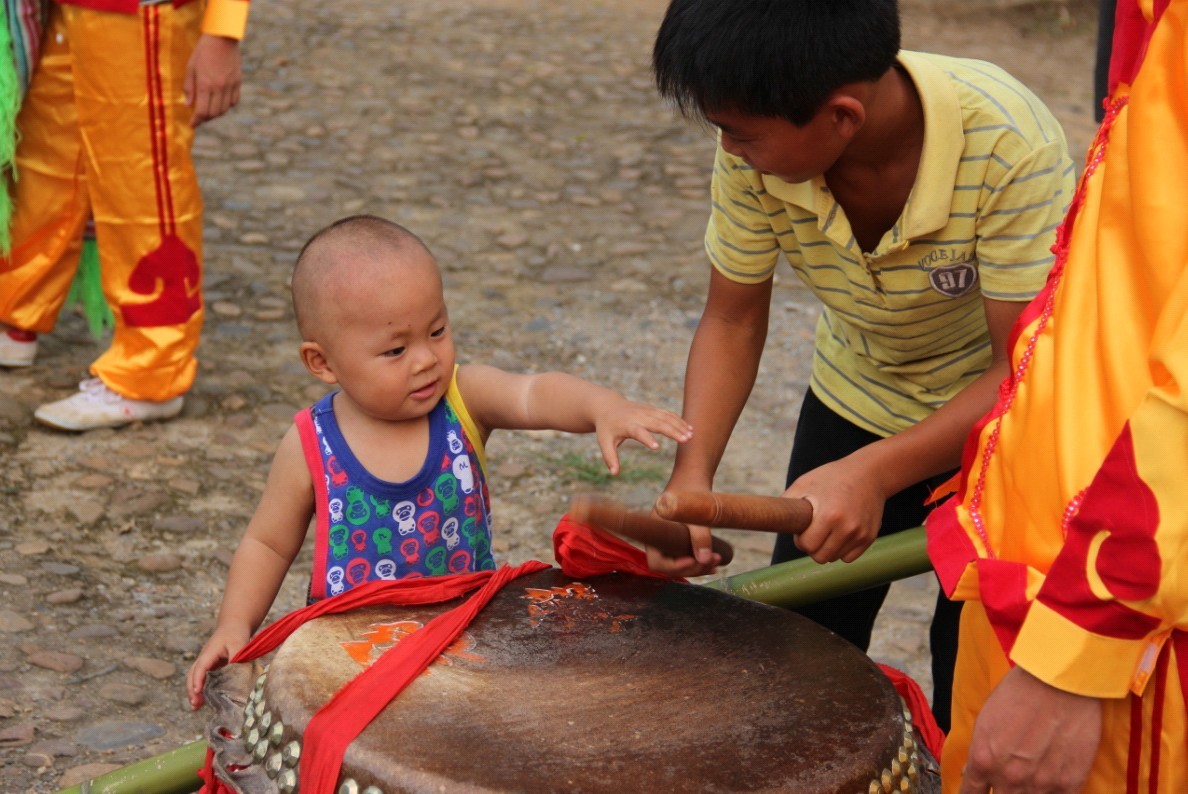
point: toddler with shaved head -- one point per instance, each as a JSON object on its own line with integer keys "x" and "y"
{"x": 391, "y": 463}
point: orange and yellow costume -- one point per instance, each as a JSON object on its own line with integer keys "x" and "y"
{"x": 1068, "y": 533}
{"x": 105, "y": 132}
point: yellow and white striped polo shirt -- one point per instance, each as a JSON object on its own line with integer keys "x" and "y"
{"x": 903, "y": 327}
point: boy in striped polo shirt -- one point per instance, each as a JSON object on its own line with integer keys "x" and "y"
{"x": 917, "y": 196}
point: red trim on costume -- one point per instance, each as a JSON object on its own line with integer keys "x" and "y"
{"x": 317, "y": 474}
{"x": 115, "y": 6}
{"x": 158, "y": 112}
{"x": 1134, "y": 755}
{"x": 1179, "y": 643}
{"x": 949, "y": 546}
{"x": 1120, "y": 506}
{"x": 157, "y": 97}
{"x": 1003, "y": 589}
{"x": 150, "y": 71}
{"x": 173, "y": 269}
{"x": 1157, "y": 719}
{"x": 1132, "y": 33}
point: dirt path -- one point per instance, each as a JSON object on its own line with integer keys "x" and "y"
{"x": 524, "y": 141}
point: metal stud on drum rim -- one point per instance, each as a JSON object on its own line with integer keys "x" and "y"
{"x": 287, "y": 781}
{"x": 291, "y": 754}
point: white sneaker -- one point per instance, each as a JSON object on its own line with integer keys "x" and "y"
{"x": 96, "y": 406}
{"x": 17, "y": 348}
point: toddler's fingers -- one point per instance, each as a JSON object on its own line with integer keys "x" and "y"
{"x": 663, "y": 417}
{"x": 194, "y": 681}
{"x": 643, "y": 436}
{"x": 610, "y": 453}
{"x": 676, "y": 428}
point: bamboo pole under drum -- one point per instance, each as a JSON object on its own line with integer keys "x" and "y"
{"x": 172, "y": 772}
{"x": 799, "y": 582}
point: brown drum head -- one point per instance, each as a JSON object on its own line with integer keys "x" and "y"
{"x": 617, "y": 683}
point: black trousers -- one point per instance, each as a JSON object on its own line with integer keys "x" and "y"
{"x": 1105, "y": 46}
{"x": 821, "y": 437}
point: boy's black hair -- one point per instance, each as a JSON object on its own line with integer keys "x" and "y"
{"x": 779, "y": 58}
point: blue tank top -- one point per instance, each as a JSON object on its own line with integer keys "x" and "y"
{"x": 438, "y": 522}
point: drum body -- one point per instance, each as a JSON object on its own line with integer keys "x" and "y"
{"x": 615, "y": 683}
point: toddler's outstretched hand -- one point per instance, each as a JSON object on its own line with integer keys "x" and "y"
{"x": 219, "y": 649}
{"x": 621, "y": 419}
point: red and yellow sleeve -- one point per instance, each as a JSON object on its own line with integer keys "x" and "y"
{"x": 227, "y": 18}
{"x": 1117, "y": 587}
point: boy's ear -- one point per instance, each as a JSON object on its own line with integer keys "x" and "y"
{"x": 847, "y": 113}
{"x": 314, "y": 359}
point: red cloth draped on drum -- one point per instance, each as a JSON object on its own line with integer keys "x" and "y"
{"x": 581, "y": 551}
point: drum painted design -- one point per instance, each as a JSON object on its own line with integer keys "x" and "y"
{"x": 612, "y": 684}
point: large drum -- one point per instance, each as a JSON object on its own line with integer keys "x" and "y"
{"x": 616, "y": 683}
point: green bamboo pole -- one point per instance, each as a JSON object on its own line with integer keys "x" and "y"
{"x": 799, "y": 582}
{"x": 172, "y": 772}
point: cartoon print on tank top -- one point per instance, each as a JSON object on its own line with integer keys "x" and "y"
{"x": 437, "y": 522}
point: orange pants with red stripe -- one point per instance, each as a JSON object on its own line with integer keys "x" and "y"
{"x": 1143, "y": 739}
{"x": 105, "y": 133}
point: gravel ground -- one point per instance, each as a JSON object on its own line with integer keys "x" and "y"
{"x": 524, "y": 142}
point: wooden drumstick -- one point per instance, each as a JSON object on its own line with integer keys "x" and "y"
{"x": 735, "y": 511}
{"x": 669, "y": 537}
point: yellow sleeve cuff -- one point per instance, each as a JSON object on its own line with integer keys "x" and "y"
{"x": 227, "y": 18}
{"x": 1064, "y": 655}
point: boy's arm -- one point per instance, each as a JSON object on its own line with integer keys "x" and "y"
{"x": 272, "y": 539}
{"x": 558, "y": 401}
{"x": 743, "y": 250}
{"x": 848, "y": 495}
{"x": 723, "y": 362}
